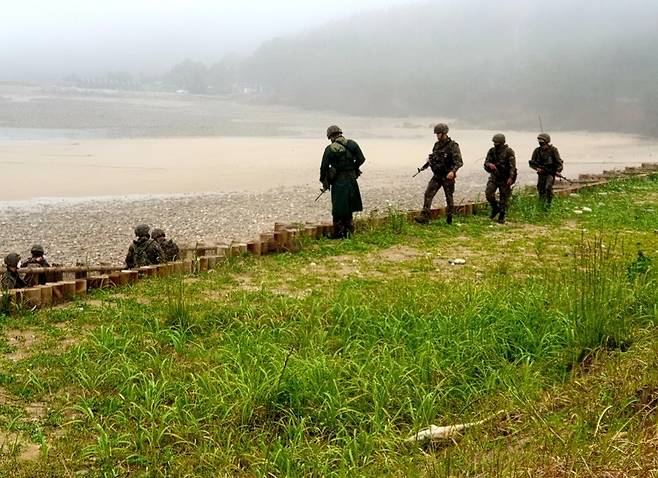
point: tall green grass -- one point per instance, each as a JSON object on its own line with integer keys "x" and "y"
{"x": 281, "y": 386}
{"x": 259, "y": 383}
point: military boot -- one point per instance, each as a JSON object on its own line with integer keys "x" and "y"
{"x": 501, "y": 217}
{"x": 423, "y": 217}
{"x": 495, "y": 209}
{"x": 449, "y": 219}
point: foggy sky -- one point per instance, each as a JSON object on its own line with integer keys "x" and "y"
{"x": 45, "y": 40}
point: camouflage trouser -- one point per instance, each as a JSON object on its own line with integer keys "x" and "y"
{"x": 436, "y": 183}
{"x": 504, "y": 191}
{"x": 545, "y": 187}
{"x": 343, "y": 227}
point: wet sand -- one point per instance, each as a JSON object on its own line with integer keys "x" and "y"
{"x": 119, "y": 167}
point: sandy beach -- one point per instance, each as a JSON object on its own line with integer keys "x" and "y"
{"x": 79, "y": 189}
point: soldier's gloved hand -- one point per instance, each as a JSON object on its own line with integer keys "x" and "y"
{"x": 493, "y": 167}
{"x": 540, "y": 170}
{"x": 325, "y": 185}
{"x": 510, "y": 181}
{"x": 451, "y": 175}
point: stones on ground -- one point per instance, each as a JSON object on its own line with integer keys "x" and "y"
{"x": 456, "y": 262}
{"x": 100, "y": 230}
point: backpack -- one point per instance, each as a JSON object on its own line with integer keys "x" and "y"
{"x": 141, "y": 254}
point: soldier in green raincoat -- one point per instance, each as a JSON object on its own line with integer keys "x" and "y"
{"x": 339, "y": 172}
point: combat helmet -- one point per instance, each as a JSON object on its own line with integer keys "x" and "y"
{"x": 157, "y": 232}
{"x": 37, "y": 249}
{"x": 142, "y": 230}
{"x": 441, "y": 128}
{"x": 333, "y": 130}
{"x": 498, "y": 138}
{"x": 12, "y": 259}
{"x": 544, "y": 137}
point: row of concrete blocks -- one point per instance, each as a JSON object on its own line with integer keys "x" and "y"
{"x": 54, "y": 293}
{"x": 645, "y": 168}
{"x": 284, "y": 238}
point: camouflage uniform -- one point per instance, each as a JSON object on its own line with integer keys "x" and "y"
{"x": 339, "y": 170}
{"x": 11, "y": 280}
{"x": 505, "y": 162}
{"x": 35, "y": 261}
{"x": 170, "y": 249}
{"x": 446, "y": 157}
{"x": 548, "y": 159}
{"x": 144, "y": 251}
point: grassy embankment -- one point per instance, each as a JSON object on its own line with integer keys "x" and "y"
{"x": 322, "y": 362}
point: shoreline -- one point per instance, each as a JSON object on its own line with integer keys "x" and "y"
{"x": 99, "y": 231}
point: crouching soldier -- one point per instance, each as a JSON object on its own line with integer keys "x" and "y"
{"x": 37, "y": 259}
{"x": 144, "y": 251}
{"x": 500, "y": 163}
{"x": 11, "y": 279}
{"x": 169, "y": 248}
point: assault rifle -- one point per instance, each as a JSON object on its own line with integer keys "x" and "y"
{"x": 421, "y": 169}
{"x": 322, "y": 191}
{"x": 558, "y": 175}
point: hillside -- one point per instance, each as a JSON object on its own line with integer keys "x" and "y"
{"x": 578, "y": 64}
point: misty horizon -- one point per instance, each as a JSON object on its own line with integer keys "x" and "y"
{"x": 51, "y": 40}
{"x": 496, "y": 65}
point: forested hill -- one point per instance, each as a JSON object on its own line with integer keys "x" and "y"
{"x": 582, "y": 65}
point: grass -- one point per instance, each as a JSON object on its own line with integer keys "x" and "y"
{"x": 321, "y": 363}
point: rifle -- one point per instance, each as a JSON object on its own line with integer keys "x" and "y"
{"x": 422, "y": 168}
{"x": 322, "y": 191}
{"x": 558, "y": 175}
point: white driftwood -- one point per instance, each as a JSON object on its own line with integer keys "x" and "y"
{"x": 434, "y": 432}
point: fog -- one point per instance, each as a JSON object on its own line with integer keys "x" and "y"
{"x": 582, "y": 65}
{"x": 45, "y": 40}
{"x": 588, "y": 65}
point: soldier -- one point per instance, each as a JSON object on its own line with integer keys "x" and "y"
{"x": 547, "y": 162}
{"x": 445, "y": 160}
{"x": 169, "y": 248}
{"x": 338, "y": 172}
{"x": 144, "y": 251}
{"x": 37, "y": 260}
{"x": 500, "y": 163}
{"x": 11, "y": 279}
